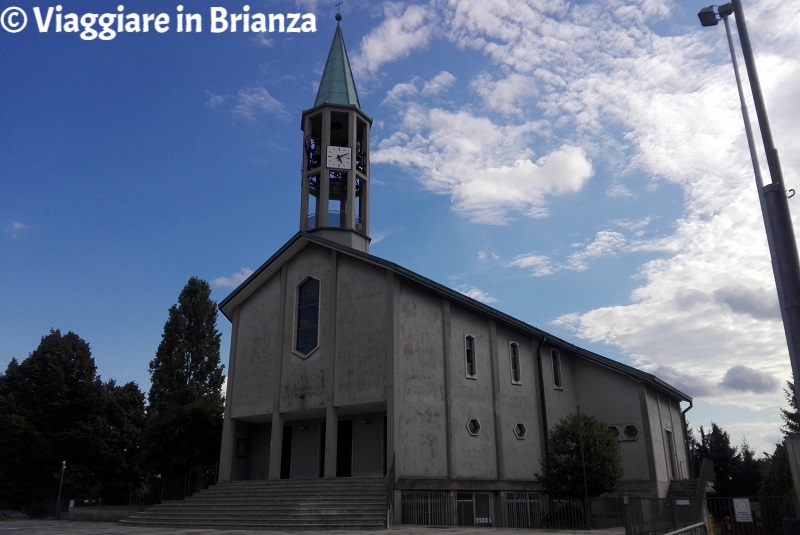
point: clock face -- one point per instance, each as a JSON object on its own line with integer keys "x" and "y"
{"x": 339, "y": 157}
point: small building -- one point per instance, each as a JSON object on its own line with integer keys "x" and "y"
{"x": 343, "y": 364}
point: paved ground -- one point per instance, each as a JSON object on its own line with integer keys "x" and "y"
{"x": 53, "y": 527}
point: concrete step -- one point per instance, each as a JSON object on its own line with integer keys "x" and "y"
{"x": 275, "y": 504}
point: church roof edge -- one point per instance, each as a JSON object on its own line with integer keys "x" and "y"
{"x": 299, "y": 240}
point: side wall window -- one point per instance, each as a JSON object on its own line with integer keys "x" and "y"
{"x": 307, "y": 336}
{"x": 513, "y": 353}
{"x": 557, "y": 379}
{"x": 469, "y": 357}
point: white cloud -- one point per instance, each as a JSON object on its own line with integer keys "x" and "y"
{"x": 17, "y": 229}
{"x": 257, "y": 100}
{"x": 248, "y": 103}
{"x": 487, "y": 169}
{"x": 510, "y": 95}
{"x": 606, "y": 243}
{"x": 659, "y": 113}
{"x": 539, "y": 265}
{"x": 742, "y": 378}
{"x": 404, "y": 29}
{"x": 618, "y": 190}
{"x": 234, "y": 280}
{"x": 650, "y": 106}
{"x": 477, "y": 294}
{"x": 437, "y": 84}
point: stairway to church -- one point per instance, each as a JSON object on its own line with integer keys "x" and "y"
{"x": 311, "y": 504}
{"x": 683, "y": 488}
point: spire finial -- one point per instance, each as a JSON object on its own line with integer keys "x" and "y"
{"x": 338, "y": 14}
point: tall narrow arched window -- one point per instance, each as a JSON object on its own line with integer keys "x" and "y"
{"x": 469, "y": 357}
{"x": 307, "y": 336}
{"x": 513, "y": 353}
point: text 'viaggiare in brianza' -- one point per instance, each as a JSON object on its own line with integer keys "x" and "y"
{"x": 106, "y": 26}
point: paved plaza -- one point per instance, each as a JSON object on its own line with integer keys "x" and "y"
{"x": 53, "y": 527}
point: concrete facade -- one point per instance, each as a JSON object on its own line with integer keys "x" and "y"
{"x": 345, "y": 365}
{"x": 388, "y": 384}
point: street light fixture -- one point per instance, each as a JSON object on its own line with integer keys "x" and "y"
{"x": 773, "y": 197}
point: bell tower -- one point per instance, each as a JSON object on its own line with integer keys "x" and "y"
{"x": 335, "y": 187}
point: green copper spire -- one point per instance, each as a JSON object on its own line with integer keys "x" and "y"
{"x": 337, "y": 85}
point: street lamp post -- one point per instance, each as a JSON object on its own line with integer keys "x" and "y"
{"x": 773, "y": 197}
{"x": 61, "y": 484}
{"x": 774, "y": 207}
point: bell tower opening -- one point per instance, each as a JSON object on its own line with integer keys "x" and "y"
{"x": 335, "y": 181}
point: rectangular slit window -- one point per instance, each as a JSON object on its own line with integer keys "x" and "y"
{"x": 556, "y": 358}
{"x": 513, "y": 350}
{"x": 469, "y": 357}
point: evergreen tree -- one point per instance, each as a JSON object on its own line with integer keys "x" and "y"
{"x": 777, "y": 474}
{"x": 747, "y": 474}
{"x": 184, "y": 422}
{"x": 579, "y": 444}
{"x": 716, "y": 445}
{"x": 791, "y": 417}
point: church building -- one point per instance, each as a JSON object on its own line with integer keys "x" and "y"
{"x": 343, "y": 364}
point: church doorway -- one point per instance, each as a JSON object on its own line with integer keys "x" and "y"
{"x": 286, "y": 453}
{"x": 344, "y": 449}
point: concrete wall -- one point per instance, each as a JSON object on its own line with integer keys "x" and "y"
{"x": 617, "y": 402}
{"x": 303, "y": 378}
{"x": 361, "y": 333}
{"x": 665, "y": 427}
{"x": 347, "y": 369}
{"x": 437, "y": 400}
{"x": 564, "y": 400}
{"x": 420, "y": 437}
{"x": 257, "y": 352}
{"x": 518, "y": 403}
{"x": 473, "y": 457}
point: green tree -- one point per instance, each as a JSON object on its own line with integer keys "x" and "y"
{"x": 777, "y": 479}
{"x": 580, "y": 444}
{"x": 184, "y": 422}
{"x": 54, "y": 408}
{"x": 716, "y": 445}
{"x": 790, "y": 416}
{"x": 747, "y": 475}
{"x": 122, "y": 421}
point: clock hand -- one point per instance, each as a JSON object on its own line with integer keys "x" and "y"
{"x": 339, "y": 157}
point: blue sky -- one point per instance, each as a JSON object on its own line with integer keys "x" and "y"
{"x": 579, "y": 165}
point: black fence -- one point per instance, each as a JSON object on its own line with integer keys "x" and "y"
{"x": 510, "y": 509}
{"x": 158, "y": 489}
{"x": 657, "y": 516}
{"x": 638, "y": 516}
{"x": 749, "y": 516}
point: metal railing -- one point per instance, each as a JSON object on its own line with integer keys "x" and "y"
{"x": 433, "y": 508}
{"x": 158, "y": 489}
{"x": 512, "y": 509}
{"x": 762, "y": 515}
{"x": 657, "y": 516}
{"x": 336, "y": 219}
{"x": 522, "y": 509}
{"x": 695, "y": 529}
